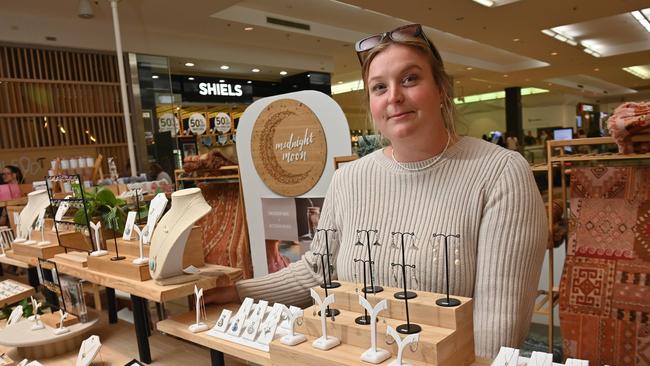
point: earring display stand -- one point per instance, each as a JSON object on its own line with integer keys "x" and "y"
{"x": 292, "y": 338}
{"x": 142, "y": 259}
{"x": 372, "y": 289}
{"x": 329, "y": 311}
{"x": 373, "y": 354}
{"x": 447, "y": 301}
{"x": 40, "y": 226}
{"x": 401, "y": 344}
{"x": 446, "y": 339}
{"x": 326, "y": 234}
{"x": 98, "y": 252}
{"x": 37, "y": 201}
{"x": 324, "y": 342}
{"x": 62, "y": 329}
{"x": 408, "y": 328}
{"x": 199, "y": 308}
{"x": 365, "y": 318}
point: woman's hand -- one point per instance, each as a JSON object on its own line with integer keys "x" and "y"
{"x": 222, "y": 295}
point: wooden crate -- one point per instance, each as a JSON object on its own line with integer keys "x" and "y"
{"x": 193, "y": 254}
{"x": 123, "y": 268}
{"x": 54, "y": 319}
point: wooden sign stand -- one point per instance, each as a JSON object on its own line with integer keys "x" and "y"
{"x": 446, "y": 339}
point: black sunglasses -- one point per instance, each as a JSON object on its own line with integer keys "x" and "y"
{"x": 401, "y": 34}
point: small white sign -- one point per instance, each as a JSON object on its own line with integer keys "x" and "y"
{"x": 168, "y": 122}
{"x": 197, "y": 124}
{"x": 222, "y": 123}
{"x": 128, "y": 227}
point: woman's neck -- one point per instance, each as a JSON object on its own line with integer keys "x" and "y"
{"x": 411, "y": 151}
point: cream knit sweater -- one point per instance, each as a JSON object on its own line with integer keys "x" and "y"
{"x": 479, "y": 190}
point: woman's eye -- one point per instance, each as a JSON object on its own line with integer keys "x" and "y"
{"x": 378, "y": 88}
{"x": 409, "y": 79}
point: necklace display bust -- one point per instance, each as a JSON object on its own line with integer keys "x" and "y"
{"x": 37, "y": 201}
{"x": 170, "y": 236}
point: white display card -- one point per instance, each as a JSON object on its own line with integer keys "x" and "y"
{"x": 61, "y": 210}
{"x": 128, "y": 227}
{"x": 223, "y": 321}
{"x": 156, "y": 209}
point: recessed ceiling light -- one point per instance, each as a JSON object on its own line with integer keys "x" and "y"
{"x": 505, "y": 75}
{"x": 487, "y": 3}
{"x": 553, "y": 53}
{"x": 457, "y": 81}
{"x": 248, "y": 28}
{"x": 283, "y": 72}
{"x": 641, "y": 18}
{"x": 189, "y": 64}
{"x": 641, "y": 71}
{"x": 549, "y": 84}
{"x": 154, "y": 76}
{"x": 249, "y": 82}
{"x": 255, "y": 70}
{"x": 340, "y": 82}
{"x": 468, "y": 68}
{"x": 527, "y": 79}
{"x": 222, "y": 81}
{"x": 515, "y": 39}
{"x": 190, "y": 78}
{"x": 596, "y": 69}
{"x": 224, "y": 67}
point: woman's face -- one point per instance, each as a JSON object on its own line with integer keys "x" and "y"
{"x": 8, "y": 176}
{"x": 404, "y": 98}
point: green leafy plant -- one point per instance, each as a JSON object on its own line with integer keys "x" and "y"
{"x": 28, "y": 310}
{"x": 103, "y": 205}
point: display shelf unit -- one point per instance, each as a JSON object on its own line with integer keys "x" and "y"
{"x": 230, "y": 175}
{"x": 557, "y": 157}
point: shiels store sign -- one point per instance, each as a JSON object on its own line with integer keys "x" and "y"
{"x": 204, "y": 89}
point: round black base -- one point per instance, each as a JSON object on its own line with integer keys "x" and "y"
{"x": 448, "y": 304}
{"x": 118, "y": 258}
{"x": 405, "y": 295}
{"x": 330, "y": 285}
{"x": 363, "y": 320}
{"x": 373, "y": 290}
{"x": 329, "y": 312}
{"x": 409, "y": 329}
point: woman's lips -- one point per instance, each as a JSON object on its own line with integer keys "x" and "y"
{"x": 401, "y": 115}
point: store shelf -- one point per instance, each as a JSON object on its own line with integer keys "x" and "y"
{"x": 599, "y": 157}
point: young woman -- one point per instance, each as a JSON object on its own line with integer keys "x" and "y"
{"x": 429, "y": 181}
{"x": 10, "y": 175}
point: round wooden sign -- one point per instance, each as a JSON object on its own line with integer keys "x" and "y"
{"x": 288, "y": 147}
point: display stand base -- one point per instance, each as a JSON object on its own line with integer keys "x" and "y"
{"x": 405, "y": 295}
{"x": 19, "y": 241}
{"x": 330, "y": 285}
{"x": 176, "y": 279}
{"x": 377, "y": 356}
{"x": 43, "y": 243}
{"x": 141, "y": 260}
{"x": 30, "y": 242}
{"x": 198, "y": 327}
{"x": 448, "y": 303}
{"x": 99, "y": 253}
{"x": 324, "y": 344}
{"x": 373, "y": 290}
{"x": 293, "y": 340}
{"x": 59, "y": 331}
{"x": 396, "y": 363}
{"x": 409, "y": 328}
{"x": 38, "y": 326}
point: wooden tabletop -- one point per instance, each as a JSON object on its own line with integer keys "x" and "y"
{"x": 149, "y": 289}
{"x": 178, "y": 326}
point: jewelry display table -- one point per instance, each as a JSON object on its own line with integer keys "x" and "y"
{"x": 141, "y": 291}
{"x": 12, "y": 291}
{"x": 42, "y": 343}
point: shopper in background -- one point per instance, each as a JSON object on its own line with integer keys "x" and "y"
{"x": 429, "y": 180}
{"x": 12, "y": 174}
{"x": 512, "y": 142}
{"x": 156, "y": 172}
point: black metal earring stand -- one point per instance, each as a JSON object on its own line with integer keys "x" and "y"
{"x": 117, "y": 257}
{"x": 137, "y": 205}
{"x": 328, "y": 284}
{"x": 329, "y": 312}
{"x": 363, "y": 319}
{"x": 374, "y": 289}
{"x": 447, "y": 301}
{"x": 407, "y": 328}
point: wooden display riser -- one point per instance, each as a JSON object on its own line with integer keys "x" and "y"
{"x": 37, "y": 251}
{"x": 438, "y": 346}
{"x": 193, "y": 254}
{"x": 6, "y": 360}
{"x": 342, "y": 355}
{"x": 122, "y": 268}
{"x": 422, "y": 309}
{"x": 28, "y": 261}
{"x": 77, "y": 259}
{"x": 17, "y": 297}
{"x": 54, "y": 319}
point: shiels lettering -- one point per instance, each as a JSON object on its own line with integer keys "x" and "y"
{"x": 226, "y": 90}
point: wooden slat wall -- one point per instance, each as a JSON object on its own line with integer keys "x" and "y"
{"x": 44, "y": 92}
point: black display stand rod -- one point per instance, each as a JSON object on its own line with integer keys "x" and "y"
{"x": 329, "y": 312}
{"x": 365, "y": 318}
{"x": 328, "y": 283}
{"x": 447, "y": 302}
{"x": 407, "y": 328}
{"x": 137, "y": 205}
{"x": 117, "y": 257}
{"x": 373, "y": 289}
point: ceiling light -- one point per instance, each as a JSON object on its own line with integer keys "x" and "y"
{"x": 487, "y": 3}
{"x": 641, "y": 18}
{"x": 224, "y": 67}
{"x": 591, "y": 52}
{"x": 505, "y": 75}
{"x": 340, "y": 82}
{"x": 642, "y": 72}
{"x": 61, "y": 129}
{"x": 190, "y": 78}
{"x": 515, "y": 40}
{"x": 560, "y": 37}
{"x": 596, "y": 69}
{"x": 283, "y": 72}
{"x": 249, "y": 82}
{"x": 548, "y": 32}
{"x": 255, "y": 70}
{"x": 468, "y": 68}
{"x": 155, "y": 76}
{"x": 189, "y": 64}
{"x": 248, "y": 28}
{"x": 222, "y": 81}
{"x": 85, "y": 10}
{"x": 553, "y": 53}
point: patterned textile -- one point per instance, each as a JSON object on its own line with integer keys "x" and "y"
{"x": 225, "y": 239}
{"x": 605, "y": 285}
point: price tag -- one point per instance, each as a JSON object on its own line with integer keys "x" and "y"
{"x": 168, "y": 122}
{"x": 197, "y": 124}
{"x": 222, "y": 123}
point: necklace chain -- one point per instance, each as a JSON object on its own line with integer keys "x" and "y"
{"x": 434, "y": 161}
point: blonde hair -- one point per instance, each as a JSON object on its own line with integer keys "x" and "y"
{"x": 440, "y": 76}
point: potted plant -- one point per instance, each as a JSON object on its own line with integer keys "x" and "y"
{"x": 102, "y": 205}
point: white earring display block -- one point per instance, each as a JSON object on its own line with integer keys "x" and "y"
{"x": 373, "y": 354}
{"x": 88, "y": 351}
{"x": 324, "y": 342}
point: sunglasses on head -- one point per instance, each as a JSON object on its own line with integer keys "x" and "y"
{"x": 401, "y": 34}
